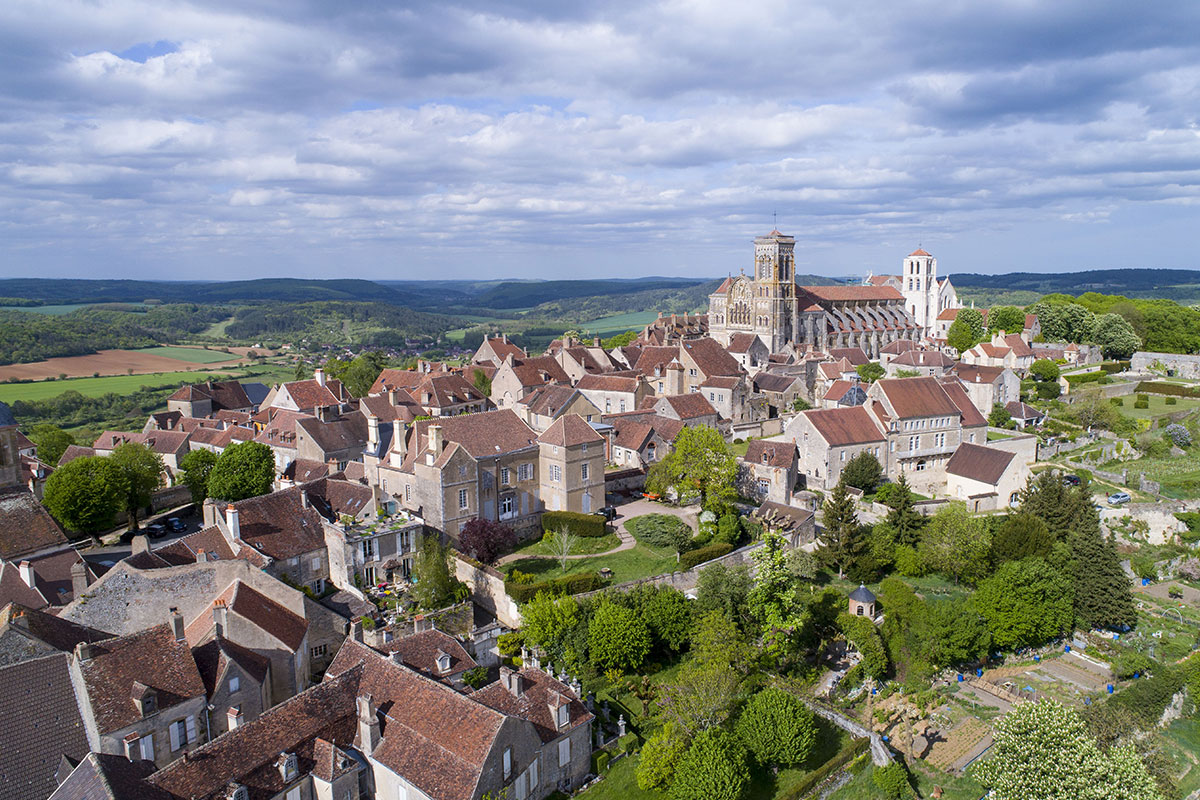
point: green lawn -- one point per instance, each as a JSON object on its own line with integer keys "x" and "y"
{"x": 627, "y": 565}
{"x": 862, "y": 787}
{"x": 1158, "y": 406}
{"x": 995, "y": 435}
{"x": 584, "y": 545}
{"x": 196, "y": 355}
{"x": 217, "y": 329}
{"x": 94, "y": 387}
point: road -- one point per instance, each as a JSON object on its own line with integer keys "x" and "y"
{"x": 109, "y": 554}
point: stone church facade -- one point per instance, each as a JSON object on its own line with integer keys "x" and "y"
{"x": 924, "y": 295}
{"x": 771, "y": 306}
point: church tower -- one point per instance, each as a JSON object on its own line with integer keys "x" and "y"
{"x": 775, "y": 288}
{"x": 919, "y": 286}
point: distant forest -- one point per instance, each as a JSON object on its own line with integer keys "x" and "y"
{"x": 1181, "y": 285}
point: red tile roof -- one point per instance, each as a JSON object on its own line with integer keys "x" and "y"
{"x": 854, "y": 355}
{"x": 420, "y": 652}
{"x": 844, "y": 426}
{"x": 983, "y": 464}
{"x": 711, "y": 357}
{"x": 279, "y": 621}
{"x": 918, "y": 252}
{"x": 152, "y": 657}
{"x": 539, "y": 692}
{"x": 570, "y": 431}
{"x": 917, "y": 397}
{"x": 546, "y": 401}
{"x": 971, "y": 418}
{"x": 924, "y": 358}
{"x": 837, "y": 294}
{"x": 489, "y": 433}
{"x": 278, "y": 526}
{"x": 75, "y": 451}
{"x": 26, "y": 526}
{"x": 607, "y": 383}
{"x": 770, "y": 453}
{"x": 689, "y": 406}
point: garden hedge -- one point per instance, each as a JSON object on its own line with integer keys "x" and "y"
{"x": 570, "y": 584}
{"x": 812, "y": 779}
{"x": 1099, "y": 376}
{"x": 586, "y": 525}
{"x": 698, "y": 556}
{"x": 1157, "y": 387}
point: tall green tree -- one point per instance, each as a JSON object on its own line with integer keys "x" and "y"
{"x": 870, "y": 372}
{"x": 956, "y": 543}
{"x": 1020, "y": 536}
{"x": 863, "y": 472}
{"x": 51, "y": 442}
{"x": 659, "y": 762}
{"x": 700, "y": 461}
{"x": 434, "y": 586}
{"x": 86, "y": 494}
{"x": 1043, "y": 750}
{"x": 843, "y": 542}
{"x": 725, "y": 588}
{"x": 481, "y": 381}
{"x": 143, "y": 470}
{"x": 1115, "y": 336}
{"x": 967, "y": 329}
{"x": 1064, "y": 321}
{"x": 1046, "y": 497}
{"x": 1103, "y": 594}
{"x": 718, "y": 644}
{"x": 547, "y": 622}
{"x": 617, "y": 637}
{"x": 1009, "y": 319}
{"x": 1025, "y": 603}
{"x": 952, "y": 632}
{"x": 715, "y": 767}
{"x": 1044, "y": 370}
{"x": 904, "y": 518}
{"x": 196, "y": 467}
{"x": 242, "y": 470}
{"x": 777, "y": 728}
{"x": 773, "y": 596}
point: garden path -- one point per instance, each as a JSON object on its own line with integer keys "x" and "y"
{"x": 627, "y": 543}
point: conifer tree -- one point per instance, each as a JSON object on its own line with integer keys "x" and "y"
{"x": 903, "y": 518}
{"x": 1047, "y": 498}
{"x": 1103, "y": 596}
{"x": 843, "y": 542}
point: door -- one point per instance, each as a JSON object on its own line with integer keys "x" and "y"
{"x": 587, "y": 502}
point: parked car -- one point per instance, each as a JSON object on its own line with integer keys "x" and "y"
{"x": 1117, "y": 498}
{"x": 1071, "y": 480}
{"x": 176, "y": 524}
{"x": 608, "y": 512}
{"x": 155, "y": 530}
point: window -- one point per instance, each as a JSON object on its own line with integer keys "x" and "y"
{"x": 921, "y": 465}
{"x": 660, "y": 385}
{"x": 608, "y": 402}
{"x": 585, "y": 470}
{"x": 293, "y": 793}
{"x": 181, "y": 732}
{"x": 507, "y": 507}
{"x": 584, "y": 448}
{"x": 555, "y": 473}
{"x": 522, "y": 787}
{"x": 914, "y": 442}
{"x": 692, "y": 372}
{"x": 504, "y": 476}
{"x": 462, "y": 498}
{"x": 408, "y": 491}
{"x": 939, "y": 440}
{"x": 462, "y": 471}
{"x": 533, "y": 775}
{"x": 622, "y": 406}
{"x": 368, "y": 549}
{"x": 507, "y": 762}
{"x": 146, "y": 746}
{"x": 235, "y": 683}
{"x": 712, "y": 396}
{"x": 316, "y": 563}
{"x": 564, "y": 753}
{"x": 525, "y": 472}
{"x": 763, "y": 485}
{"x": 320, "y": 650}
{"x": 843, "y": 455}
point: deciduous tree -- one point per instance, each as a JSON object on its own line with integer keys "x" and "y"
{"x": 196, "y": 467}
{"x": 713, "y": 768}
{"x": 1115, "y": 336}
{"x": 51, "y": 442}
{"x": 700, "y": 461}
{"x": 698, "y": 699}
{"x": 1025, "y": 603}
{"x": 870, "y": 372}
{"x": 659, "y": 761}
{"x": 486, "y": 540}
{"x": 1009, "y": 319}
{"x": 242, "y": 470}
{"x": 434, "y": 587}
{"x": 547, "y": 622}
{"x": 143, "y": 472}
{"x": 956, "y": 543}
{"x": 85, "y": 494}
{"x": 617, "y": 638}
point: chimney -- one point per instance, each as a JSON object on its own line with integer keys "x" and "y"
{"x": 319, "y": 376}
{"x": 26, "y": 570}
{"x": 231, "y": 521}
{"x": 220, "y": 617}
{"x": 396, "y": 657}
{"x": 504, "y": 338}
{"x": 303, "y": 498}
{"x": 139, "y": 544}
{"x": 368, "y": 725}
{"x": 83, "y": 651}
{"x": 201, "y": 556}
{"x": 595, "y": 341}
{"x": 79, "y": 578}
{"x": 373, "y": 431}
{"x": 177, "y": 624}
{"x": 512, "y": 681}
{"x": 435, "y": 440}
{"x": 391, "y": 392}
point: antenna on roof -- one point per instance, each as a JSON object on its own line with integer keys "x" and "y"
{"x": 774, "y": 220}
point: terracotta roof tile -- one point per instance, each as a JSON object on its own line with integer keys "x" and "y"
{"x": 278, "y": 526}
{"x": 608, "y": 383}
{"x": 854, "y": 355}
{"x": 971, "y": 418}
{"x": 75, "y": 451}
{"x": 770, "y": 453}
{"x": 844, "y": 426}
{"x": 420, "y": 652}
{"x": 25, "y": 525}
{"x": 711, "y": 357}
{"x": 917, "y": 397}
{"x": 689, "y": 406}
{"x": 546, "y": 401}
{"x": 983, "y": 464}
{"x": 539, "y": 692}
{"x": 488, "y": 433}
{"x": 836, "y": 294}
{"x": 569, "y": 431}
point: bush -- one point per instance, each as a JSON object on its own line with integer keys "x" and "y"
{"x": 714, "y": 767}
{"x": 660, "y": 530}
{"x": 863, "y": 472}
{"x": 569, "y": 584}
{"x": 892, "y": 780}
{"x": 510, "y": 644}
{"x": 699, "y": 556}
{"x": 1142, "y": 401}
{"x": 1117, "y": 401}
{"x": 600, "y": 759}
{"x": 1179, "y": 435}
{"x": 585, "y": 525}
{"x": 777, "y": 728}
{"x": 628, "y": 743}
{"x": 1048, "y": 391}
{"x": 847, "y": 754}
{"x": 1178, "y": 390}
{"x": 475, "y": 677}
{"x": 1172, "y": 401}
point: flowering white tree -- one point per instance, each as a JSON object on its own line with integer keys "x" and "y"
{"x": 1042, "y": 750}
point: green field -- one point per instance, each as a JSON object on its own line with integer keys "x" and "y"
{"x": 1158, "y": 406}
{"x": 53, "y": 311}
{"x": 95, "y": 387}
{"x": 217, "y": 329}
{"x": 619, "y": 323}
{"x": 192, "y": 354}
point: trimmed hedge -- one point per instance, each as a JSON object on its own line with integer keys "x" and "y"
{"x": 818, "y": 775}
{"x": 1142, "y": 401}
{"x": 1099, "y": 376}
{"x": 585, "y": 525}
{"x": 698, "y": 556}
{"x": 570, "y": 584}
{"x": 1113, "y": 367}
{"x": 1159, "y": 387}
{"x": 628, "y": 743}
{"x": 600, "y": 759}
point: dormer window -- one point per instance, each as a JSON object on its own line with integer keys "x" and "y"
{"x": 288, "y": 767}
{"x": 443, "y": 662}
{"x": 562, "y": 715}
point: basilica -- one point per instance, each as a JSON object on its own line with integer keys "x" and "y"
{"x": 774, "y": 308}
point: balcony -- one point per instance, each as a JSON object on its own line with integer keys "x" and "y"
{"x": 361, "y": 529}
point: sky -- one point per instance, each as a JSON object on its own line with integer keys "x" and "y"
{"x": 230, "y": 139}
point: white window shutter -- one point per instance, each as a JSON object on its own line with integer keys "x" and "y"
{"x": 533, "y": 775}
{"x": 564, "y": 752}
{"x": 173, "y": 730}
{"x": 191, "y": 729}
{"x": 147, "y": 745}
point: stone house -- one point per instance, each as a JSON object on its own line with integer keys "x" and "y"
{"x": 899, "y": 347}
{"x": 237, "y": 680}
{"x": 780, "y": 390}
{"x": 308, "y": 395}
{"x": 571, "y": 456}
{"x": 928, "y": 363}
{"x": 692, "y": 410}
{"x": 734, "y": 399}
{"x": 844, "y": 393}
{"x": 827, "y": 439}
{"x": 445, "y": 394}
{"x": 206, "y": 399}
{"x": 797, "y": 525}
{"x": 749, "y": 350}
{"x": 495, "y": 350}
{"x": 613, "y": 394}
{"x": 705, "y": 358}
{"x": 577, "y": 360}
{"x": 1003, "y": 350}
{"x": 542, "y": 407}
{"x": 1024, "y": 415}
{"x": 276, "y": 428}
{"x": 639, "y": 439}
{"x": 769, "y": 470}
{"x": 988, "y": 386}
{"x": 141, "y": 694}
{"x": 338, "y": 440}
{"x": 986, "y": 478}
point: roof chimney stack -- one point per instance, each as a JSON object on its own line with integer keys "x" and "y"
{"x": 26, "y": 570}
{"x": 319, "y": 376}
{"x": 435, "y": 440}
{"x": 231, "y": 521}
{"x": 220, "y": 617}
{"x": 83, "y": 651}
{"x": 368, "y": 725}
{"x": 79, "y": 578}
{"x": 373, "y": 431}
{"x": 177, "y": 624}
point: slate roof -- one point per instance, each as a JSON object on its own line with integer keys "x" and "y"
{"x": 487, "y": 433}
{"x": 7, "y": 420}
{"x": 41, "y": 723}
{"x": 26, "y": 526}
{"x": 917, "y": 397}
{"x": 155, "y": 658}
{"x": 420, "y": 652}
{"x": 27, "y": 633}
{"x": 844, "y": 426}
{"x": 569, "y": 431}
{"x": 978, "y": 463}
{"x": 862, "y": 594}
{"x": 770, "y": 453}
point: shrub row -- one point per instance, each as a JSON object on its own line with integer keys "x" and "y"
{"x": 1156, "y": 387}
{"x": 812, "y": 779}
{"x": 1113, "y": 367}
{"x": 1099, "y": 376}
{"x": 586, "y": 525}
{"x": 701, "y": 554}
{"x": 570, "y": 584}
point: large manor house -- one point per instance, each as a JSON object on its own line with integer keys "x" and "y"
{"x": 771, "y": 306}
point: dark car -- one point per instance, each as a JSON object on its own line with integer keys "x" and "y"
{"x": 155, "y": 530}
{"x": 1071, "y": 480}
{"x": 176, "y": 524}
{"x": 608, "y": 512}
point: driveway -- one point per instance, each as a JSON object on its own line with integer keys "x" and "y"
{"x": 639, "y": 506}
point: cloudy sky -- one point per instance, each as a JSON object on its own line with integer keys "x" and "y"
{"x": 323, "y": 138}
